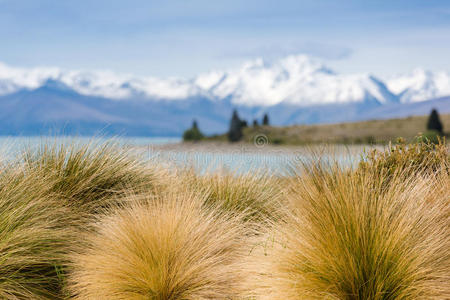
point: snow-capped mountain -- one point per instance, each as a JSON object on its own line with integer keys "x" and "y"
{"x": 297, "y": 80}
{"x": 420, "y": 85}
{"x": 104, "y": 84}
{"x": 295, "y": 89}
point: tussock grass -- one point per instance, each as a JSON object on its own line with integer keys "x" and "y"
{"x": 169, "y": 248}
{"x": 405, "y": 160}
{"x": 91, "y": 176}
{"x": 122, "y": 229}
{"x": 347, "y": 237}
{"x": 257, "y": 197}
{"x": 47, "y": 197}
{"x": 34, "y": 234}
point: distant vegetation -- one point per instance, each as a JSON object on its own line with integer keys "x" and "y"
{"x": 265, "y": 121}
{"x": 193, "y": 134}
{"x": 236, "y": 126}
{"x": 366, "y": 132}
{"x": 96, "y": 222}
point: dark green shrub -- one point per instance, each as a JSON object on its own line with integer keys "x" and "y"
{"x": 193, "y": 134}
{"x": 235, "y": 132}
{"x": 278, "y": 141}
{"x": 434, "y": 122}
{"x": 265, "y": 120}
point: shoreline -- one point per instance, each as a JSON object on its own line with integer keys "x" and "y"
{"x": 224, "y": 148}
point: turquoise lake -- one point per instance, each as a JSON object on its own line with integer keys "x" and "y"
{"x": 238, "y": 158}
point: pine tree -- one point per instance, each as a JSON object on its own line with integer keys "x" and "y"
{"x": 266, "y": 120}
{"x": 193, "y": 133}
{"x": 235, "y": 132}
{"x": 434, "y": 122}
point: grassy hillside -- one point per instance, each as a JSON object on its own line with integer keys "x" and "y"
{"x": 375, "y": 131}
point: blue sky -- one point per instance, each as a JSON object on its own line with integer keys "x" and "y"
{"x": 185, "y": 37}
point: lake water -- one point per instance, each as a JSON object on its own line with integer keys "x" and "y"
{"x": 236, "y": 158}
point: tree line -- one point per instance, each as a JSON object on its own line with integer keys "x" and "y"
{"x": 434, "y": 127}
{"x": 234, "y": 133}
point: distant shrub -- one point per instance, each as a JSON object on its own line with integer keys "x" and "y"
{"x": 277, "y": 141}
{"x": 235, "y": 131}
{"x": 265, "y": 120}
{"x": 434, "y": 122}
{"x": 193, "y": 134}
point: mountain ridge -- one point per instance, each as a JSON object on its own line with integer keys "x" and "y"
{"x": 295, "y": 79}
{"x": 39, "y": 101}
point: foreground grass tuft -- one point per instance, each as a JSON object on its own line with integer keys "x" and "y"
{"x": 257, "y": 197}
{"x": 345, "y": 239}
{"x": 168, "y": 249}
{"x": 35, "y": 231}
{"x": 407, "y": 159}
{"x": 121, "y": 229}
{"x": 91, "y": 176}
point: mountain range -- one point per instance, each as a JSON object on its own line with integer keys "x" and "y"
{"x": 292, "y": 90}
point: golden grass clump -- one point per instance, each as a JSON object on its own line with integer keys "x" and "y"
{"x": 91, "y": 176}
{"x": 34, "y": 234}
{"x": 168, "y": 248}
{"x": 407, "y": 159}
{"x": 345, "y": 239}
{"x": 257, "y": 197}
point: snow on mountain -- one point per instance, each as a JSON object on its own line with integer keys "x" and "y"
{"x": 13, "y": 79}
{"x": 96, "y": 83}
{"x": 116, "y": 86}
{"x": 296, "y": 80}
{"x": 420, "y": 85}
